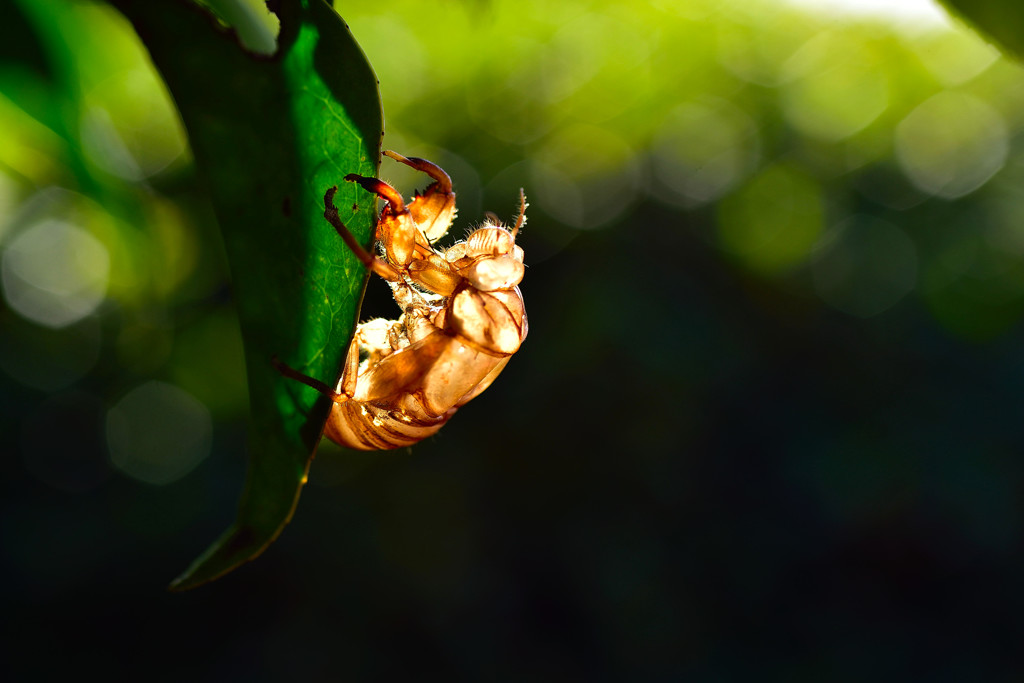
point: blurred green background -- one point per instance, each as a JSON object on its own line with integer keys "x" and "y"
{"x": 766, "y": 426}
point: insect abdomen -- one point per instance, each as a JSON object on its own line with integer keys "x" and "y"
{"x": 367, "y": 427}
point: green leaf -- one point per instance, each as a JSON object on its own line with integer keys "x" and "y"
{"x": 254, "y": 24}
{"x": 269, "y": 136}
{"x": 1002, "y": 20}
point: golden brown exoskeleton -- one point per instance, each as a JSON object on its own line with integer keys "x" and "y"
{"x": 462, "y": 318}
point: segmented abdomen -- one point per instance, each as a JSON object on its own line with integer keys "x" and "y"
{"x": 366, "y": 427}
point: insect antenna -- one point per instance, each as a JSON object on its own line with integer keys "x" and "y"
{"x": 521, "y": 221}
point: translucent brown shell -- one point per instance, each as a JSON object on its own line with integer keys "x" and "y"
{"x": 462, "y": 317}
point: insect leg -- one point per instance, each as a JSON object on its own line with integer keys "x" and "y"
{"x": 379, "y": 266}
{"x": 292, "y": 373}
{"x": 381, "y": 189}
{"x": 351, "y": 371}
{"x": 346, "y": 386}
{"x": 428, "y": 167}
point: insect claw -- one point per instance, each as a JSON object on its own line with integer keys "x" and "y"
{"x": 444, "y": 181}
{"x": 381, "y": 189}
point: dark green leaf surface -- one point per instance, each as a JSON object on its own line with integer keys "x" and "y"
{"x": 999, "y": 19}
{"x": 270, "y": 135}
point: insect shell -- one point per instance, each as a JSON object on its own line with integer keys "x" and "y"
{"x": 462, "y": 318}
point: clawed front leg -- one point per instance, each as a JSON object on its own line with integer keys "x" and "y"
{"x": 444, "y": 181}
{"x": 432, "y": 211}
{"x": 379, "y": 266}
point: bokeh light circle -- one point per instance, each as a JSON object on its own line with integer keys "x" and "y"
{"x": 951, "y": 144}
{"x": 130, "y": 127}
{"x": 702, "y": 150}
{"x": 55, "y": 273}
{"x": 586, "y": 176}
{"x": 158, "y": 433}
{"x": 836, "y": 88}
{"x": 864, "y": 266}
{"x": 772, "y": 223}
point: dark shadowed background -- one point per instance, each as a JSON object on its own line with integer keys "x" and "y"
{"x": 767, "y": 424}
